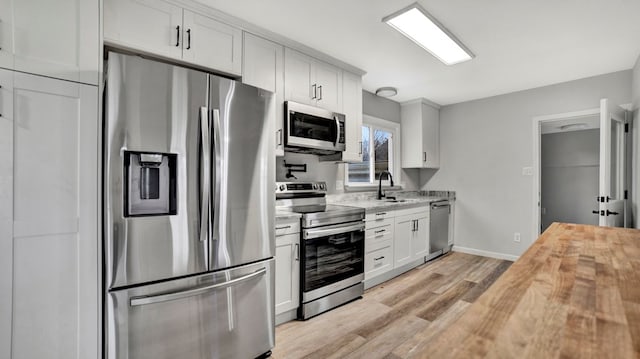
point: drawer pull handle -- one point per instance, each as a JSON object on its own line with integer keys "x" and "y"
{"x": 285, "y": 227}
{"x": 379, "y": 258}
{"x": 381, "y": 231}
{"x": 381, "y": 214}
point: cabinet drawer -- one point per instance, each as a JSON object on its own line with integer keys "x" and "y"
{"x": 378, "y": 234}
{"x": 287, "y": 227}
{"x": 378, "y": 262}
{"x": 373, "y": 222}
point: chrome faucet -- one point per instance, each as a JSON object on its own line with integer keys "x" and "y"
{"x": 380, "y": 194}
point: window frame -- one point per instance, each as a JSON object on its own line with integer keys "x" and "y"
{"x": 375, "y": 123}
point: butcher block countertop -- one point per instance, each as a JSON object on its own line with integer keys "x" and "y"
{"x": 575, "y": 293}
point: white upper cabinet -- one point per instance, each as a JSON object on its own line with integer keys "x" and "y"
{"x": 169, "y": 30}
{"x": 420, "y": 134}
{"x": 312, "y": 82}
{"x": 55, "y": 290}
{"x": 160, "y": 32}
{"x": 58, "y": 39}
{"x": 264, "y": 67}
{"x": 352, "y": 108}
{"x": 210, "y": 43}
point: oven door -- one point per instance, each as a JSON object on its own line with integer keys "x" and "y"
{"x": 333, "y": 259}
{"x": 311, "y": 127}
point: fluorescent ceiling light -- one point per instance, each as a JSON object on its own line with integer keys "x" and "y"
{"x": 423, "y": 29}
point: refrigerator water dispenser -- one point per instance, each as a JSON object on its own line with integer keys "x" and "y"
{"x": 150, "y": 180}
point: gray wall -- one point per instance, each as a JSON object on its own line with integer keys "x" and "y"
{"x": 331, "y": 172}
{"x": 485, "y": 144}
{"x": 570, "y": 164}
{"x": 635, "y": 96}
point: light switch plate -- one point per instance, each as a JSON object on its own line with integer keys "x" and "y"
{"x": 339, "y": 185}
{"x": 527, "y": 171}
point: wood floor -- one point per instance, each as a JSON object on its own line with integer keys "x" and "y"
{"x": 397, "y": 318}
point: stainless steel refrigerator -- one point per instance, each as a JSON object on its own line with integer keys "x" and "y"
{"x": 188, "y": 213}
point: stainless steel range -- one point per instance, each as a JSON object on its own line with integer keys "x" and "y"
{"x": 332, "y": 247}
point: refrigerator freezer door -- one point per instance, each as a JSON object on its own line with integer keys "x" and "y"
{"x": 226, "y": 314}
{"x": 153, "y": 108}
{"x": 243, "y": 200}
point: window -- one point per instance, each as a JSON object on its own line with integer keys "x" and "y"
{"x": 379, "y": 153}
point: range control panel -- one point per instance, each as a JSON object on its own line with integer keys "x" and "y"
{"x": 300, "y": 187}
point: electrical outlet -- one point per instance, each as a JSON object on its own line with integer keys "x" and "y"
{"x": 339, "y": 185}
{"x": 527, "y": 171}
{"x": 516, "y": 237}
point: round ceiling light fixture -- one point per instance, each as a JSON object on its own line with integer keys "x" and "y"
{"x": 386, "y": 91}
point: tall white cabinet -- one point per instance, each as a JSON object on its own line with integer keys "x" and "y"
{"x": 420, "y": 134}
{"x": 51, "y": 38}
{"x": 352, "y": 108}
{"x": 263, "y": 66}
{"x": 51, "y": 249}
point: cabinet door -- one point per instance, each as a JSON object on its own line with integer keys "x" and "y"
{"x": 430, "y": 137}
{"x": 287, "y": 272}
{"x": 212, "y": 44}
{"x": 55, "y": 225}
{"x": 420, "y": 239}
{"x": 352, "y": 106}
{"x": 403, "y": 239}
{"x": 153, "y": 26}
{"x": 6, "y": 34}
{"x": 328, "y": 86}
{"x": 52, "y": 38}
{"x": 6, "y": 209}
{"x": 299, "y": 78}
{"x": 264, "y": 67}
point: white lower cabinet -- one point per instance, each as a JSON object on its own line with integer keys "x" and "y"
{"x": 287, "y": 267}
{"x": 49, "y": 236}
{"x": 395, "y": 241}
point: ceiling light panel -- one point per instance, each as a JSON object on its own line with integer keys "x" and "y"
{"x": 416, "y": 24}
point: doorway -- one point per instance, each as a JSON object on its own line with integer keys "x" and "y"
{"x": 581, "y": 165}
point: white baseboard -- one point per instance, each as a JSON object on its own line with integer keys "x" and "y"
{"x": 482, "y": 253}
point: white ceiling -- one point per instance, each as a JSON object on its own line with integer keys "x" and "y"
{"x": 519, "y": 44}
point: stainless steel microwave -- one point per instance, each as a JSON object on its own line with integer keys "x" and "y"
{"x": 310, "y": 129}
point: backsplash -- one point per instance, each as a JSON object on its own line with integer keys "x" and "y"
{"x": 330, "y": 172}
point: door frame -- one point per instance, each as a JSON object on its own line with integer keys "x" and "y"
{"x": 537, "y": 137}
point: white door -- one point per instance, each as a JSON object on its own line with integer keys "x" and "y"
{"x": 328, "y": 87}
{"x": 612, "y": 165}
{"x": 58, "y": 39}
{"x": 6, "y": 209}
{"x": 287, "y": 272}
{"x": 352, "y": 106}
{"x": 264, "y": 67}
{"x": 299, "y": 78}
{"x": 153, "y": 26}
{"x": 420, "y": 239}
{"x": 404, "y": 233}
{"x": 212, "y": 44}
{"x": 55, "y": 219}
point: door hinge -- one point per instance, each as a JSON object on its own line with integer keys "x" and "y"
{"x": 626, "y": 128}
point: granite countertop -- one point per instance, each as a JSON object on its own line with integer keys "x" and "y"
{"x": 373, "y": 205}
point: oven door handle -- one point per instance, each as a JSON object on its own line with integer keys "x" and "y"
{"x": 329, "y": 231}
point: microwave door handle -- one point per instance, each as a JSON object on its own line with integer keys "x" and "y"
{"x": 337, "y": 130}
{"x": 206, "y": 173}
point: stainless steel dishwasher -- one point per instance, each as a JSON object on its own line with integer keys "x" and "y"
{"x": 439, "y": 228}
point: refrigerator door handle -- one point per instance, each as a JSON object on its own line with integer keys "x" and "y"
{"x": 216, "y": 167}
{"x": 206, "y": 174}
{"x": 152, "y": 299}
